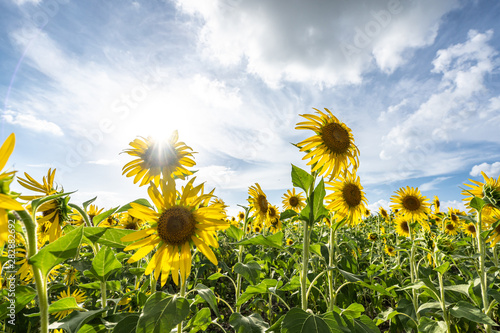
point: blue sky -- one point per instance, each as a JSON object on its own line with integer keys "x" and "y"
{"x": 418, "y": 82}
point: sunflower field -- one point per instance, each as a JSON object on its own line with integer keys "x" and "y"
{"x": 320, "y": 261}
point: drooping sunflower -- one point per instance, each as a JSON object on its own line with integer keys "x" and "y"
{"x": 331, "y": 149}
{"x": 177, "y": 223}
{"x": 436, "y": 204}
{"x": 489, "y": 189}
{"x": 7, "y": 201}
{"x": 258, "y": 202}
{"x": 411, "y": 203}
{"x": 372, "y": 236}
{"x": 383, "y": 212}
{"x": 347, "y": 198}
{"x": 390, "y": 250}
{"x": 294, "y": 201}
{"x": 402, "y": 226}
{"x": 156, "y": 159}
{"x": 55, "y": 212}
{"x": 79, "y": 296}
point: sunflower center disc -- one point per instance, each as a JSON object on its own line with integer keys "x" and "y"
{"x": 450, "y": 227}
{"x": 336, "y": 138}
{"x": 272, "y": 212}
{"x": 411, "y": 203}
{"x": 293, "y": 201}
{"x": 176, "y": 225}
{"x": 262, "y": 202}
{"x": 159, "y": 155}
{"x": 352, "y": 195}
{"x": 405, "y": 227}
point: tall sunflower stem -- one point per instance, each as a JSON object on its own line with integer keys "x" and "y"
{"x": 413, "y": 273}
{"x": 40, "y": 279}
{"x": 305, "y": 262}
{"x": 240, "y": 258}
{"x": 331, "y": 263}
{"x": 443, "y": 303}
{"x": 482, "y": 270}
{"x": 182, "y": 293}
{"x": 104, "y": 299}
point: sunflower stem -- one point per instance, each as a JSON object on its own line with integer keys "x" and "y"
{"x": 181, "y": 294}
{"x": 413, "y": 273}
{"x": 482, "y": 270}
{"x": 40, "y": 279}
{"x": 240, "y": 258}
{"x": 84, "y": 214}
{"x": 331, "y": 263}
{"x": 305, "y": 261}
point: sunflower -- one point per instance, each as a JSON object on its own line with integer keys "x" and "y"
{"x": 54, "y": 212}
{"x": 289, "y": 241}
{"x": 383, "y": 213}
{"x": 257, "y": 228}
{"x": 130, "y": 222}
{"x": 92, "y": 211}
{"x": 470, "y": 229}
{"x": 258, "y": 202}
{"x": 402, "y": 226}
{"x": 486, "y": 190}
{"x": 490, "y": 215}
{"x": 495, "y": 236}
{"x": 176, "y": 224}
{"x": 241, "y": 216}
{"x": 367, "y": 213}
{"x": 155, "y": 159}
{"x": 451, "y": 228}
{"x": 77, "y": 294}
{"x": 6, "y": 200}
{"x": 294, "y": 201}
{"x": 436, "y": 204}
{"x": 273, "y": 218}
{"x": 411, "y": 202}
{"x": 348, "y": 199}
{"x": 332, "y": 149}
{"x": 372, "y": 236}
{"x": 390, "y": 250}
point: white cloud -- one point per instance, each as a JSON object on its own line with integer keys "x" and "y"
{"x": 31, "y": 122}
{"x": 432, "y": 184}
{"x": 330, "y": 42}
{"x": 453, "y": 204}
{"x": 22, "y": 2}
{"x": 374, "y": 207}
{"x": 491, "y": 170}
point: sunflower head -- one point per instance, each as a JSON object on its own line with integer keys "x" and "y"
{"x": 258, "y": 202}
{"x": 294, "y": 201}
{"x": 155, "y": 159}
{"x": 451, "y": 228}
{"x": 77, "y": 294}
{"x": 436, "y": 204}
{"x": 241, "y": 216}
{"x": 494, "y": 236}
{"x": 390, "y": 250}
{"x": 488, "y": 190}
{"x": 332, "y": 149}
{"x": 348, "y": 199}
{"x": 470, "y": 229}
{"x": 411, "y": 202}
{"x": 383, "y": 212}
{"x": 402, "y": 225}
{"x": 372, "y": 236}
{"x": 289, "y": 241}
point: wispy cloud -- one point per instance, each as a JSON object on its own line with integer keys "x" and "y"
{"x": 432, "y": 185}
{"x": 31, "y": 122}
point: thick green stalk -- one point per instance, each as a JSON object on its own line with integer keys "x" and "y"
{"x": 413, "y": 273}
{"x": 446, "y": 316}
{"x": 240, "y": 258}
{"x": 104, "y": 299}
{"x": 84, "y": 215}
{"x": 482, "y": 270}
{"x": 305, "y": 261}
{"x": 331, "y": 286}
{"x": 182, "y": 294}
{"x": 40, "y": 279}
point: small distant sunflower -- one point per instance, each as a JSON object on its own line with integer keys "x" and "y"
{"x": 92, "y": 211}
{"x": 383, "y": 213}
{"x": 348, "y": 199}
{"x": 332, "y": 149}
{"x": 130, "y": 222}
{"x": 372, "y": 236}
{"x": 436, "y": 204}
{"x": 273, "y": 218}
{"x": 79, "y": 296}
{"x": 257, "y": 228}
{"x": 390, "y": 250}
{"x": 241, "y": 216}
{"x": 367, "y": 212}
{"x": 451, "y": 228}
{"x": 402, "y": 226}
{"x": 176, "y": 224}
{"x": 258, "y": 202}
{"x": 289, "y": 241}
{"x": 293, "y": 201}
{"x": 155, "y": 158}
{"x": 411, "y": 202}
{"x": 470, "y": 229}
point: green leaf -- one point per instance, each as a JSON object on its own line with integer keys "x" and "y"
{"x": 67, "y": 303}
{"x": 107, "y": 236}
{"x": 250, "y": 271}
{"x": 429, "y": 305}
{"x": 93, "y": 328}
{"x": 298, "y": 321}
{"x": 23, "y": 295}
{"x": 460, "y": 288}
{"x": 75, "y": 320}
{"x": 477, "y": 203}
{"x": 141, "y": 201}
{"x": 251, "y": 291}
{"x": 215, "y": 276}
{"x": 104, "y": 264}
{"x": 350, "y": 276}
{"x": 314, "y": 248}
{"x": 385, "y": 316}
{"x": 38, "y": 202}
{"x": 354, "y": 310}
{"x": 251, "y": 324}
{"x": 235, "y": 233}
{"x": 443, "y": 268}
{"x": 96, "y": 285}
{"x": 125, "y": 325}
{"x": 104, "y": 215}
{"x": 275, "y": 240}
{"x": 55, "y": 253}
{"x": 208, "y": 295}
{"x": 162, "y": 313}
{"x": 200, "y": 321}
{"x": 376, "y": 287}
{"x": 87, "y": 203}
{"x": 301, "y": 178}
{"x": 305, "y": 212}
{"x": 468, "y": 311}
{"x": 365, "y": 325}
{"x": 431, "y": 326}
{"x": 319, "y": 210}
{"x": 287, "y": 214}
{"x": 276, "y": 327}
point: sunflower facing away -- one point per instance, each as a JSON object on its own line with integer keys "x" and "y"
{"x": 6, "y": 201}
{"x": 332, "y": 149}
{"x": 436, "y": 204}
{"x": 383, "y": 213}
{"x": 402, "y": 226}
{"x": 77, "y": 294}
{"x": 258, "y": 202}
{"x": 348, "y": 199}
{"x": 178, "y": 223}
{"x": 481, "y": 190}
{"x": 411, "y": 202}
{"x": 294, "y": 201}
{"x": 155, "y": 159}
